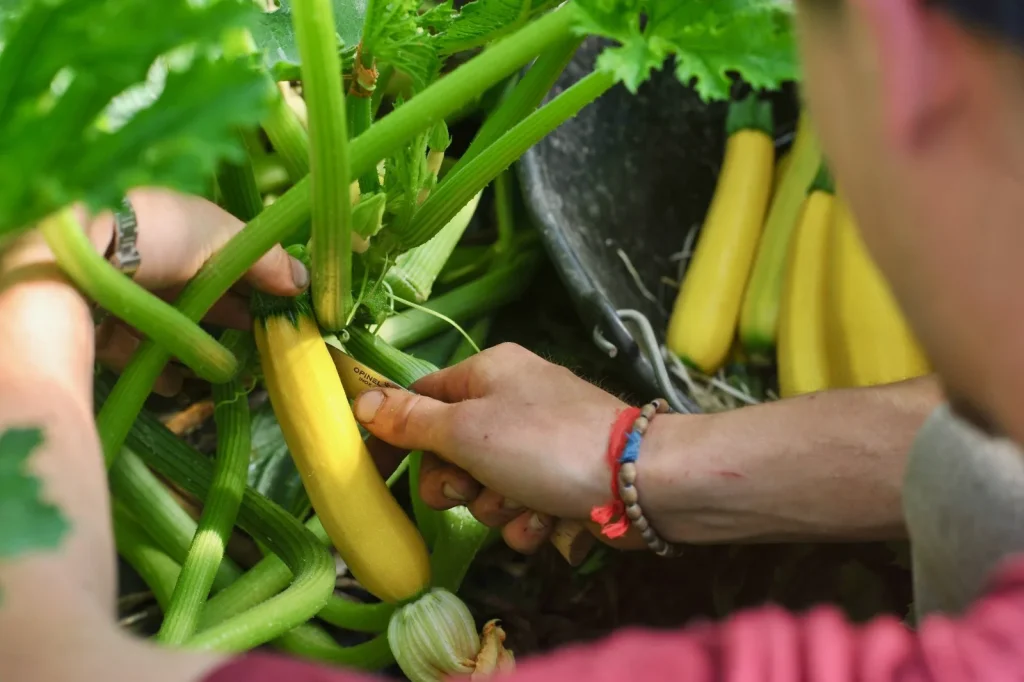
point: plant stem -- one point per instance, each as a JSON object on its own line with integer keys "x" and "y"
{"x": 359, "y": 120}
{"x": 524, "y": 97}
{"x": 143, "y": 495}
{"x": 505, "y": 210}
{"x": 315, "y": 644}
{"x": 288, "y": 137}
{"x": 460, "y": 185}
{"x": 231, "y": 413}
{"x": 462, "y": 304}
{"x": 270, "y": 575}
{"x": 158, "y": 320}
{"x": 292, "y": 209}
{"x": 156, "y": 568}
{"x": 459, "y": 537}
{"x": 377, "y": 98}
{"x": 329, "y": 161}
{"x": 239, "y": 188}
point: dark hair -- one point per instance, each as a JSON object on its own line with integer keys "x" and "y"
{"x": 1003, "y": 19}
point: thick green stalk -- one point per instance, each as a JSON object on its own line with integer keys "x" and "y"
{"x": 428, "y": 519}
{"x": 156, "y": 568}
{"x": 292, "y": 209}
{"x": 306, "y": 558}
{"x": 360, "y": 117}
{"x": 462, "y": 304}
{"x": 238, "y": 186}
{"x": 379, "y": 355}
{"x": 133, "y": 485}
{"x": 413, "y": 274}
{"x": 524, "y": 97}
{"x": 381, "y": 87}
{"x": 288, "y": 137}
{"x": 116, "y": 293}
{"x": 460, "y": 185}
{"x": 459, "y": 537}
{"x": 505, "y": 213}
{"x": 270, "y": 575}
{"x": 231, "y": 414}
{"x": 329, "y": 161}
{"x": 317, "y": 645}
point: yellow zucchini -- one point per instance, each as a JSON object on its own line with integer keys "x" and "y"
{"x": 374, "y": 536}
{"x": 803, "y": 360}
{"x": 872, "y": 343}
{"x": 759, "y": 316}
{"x": 703, "y": 321}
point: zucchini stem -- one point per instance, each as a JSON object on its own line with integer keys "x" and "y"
{"x": 156, "y": 568}
{"x": 238, "y": 185}
{"x": 330, "y": 209}
{"x": 460, "y": 185}
{"x": 231, "y": 413}
{"x": 116, "y": 293}
{"x": 288, "y": 137}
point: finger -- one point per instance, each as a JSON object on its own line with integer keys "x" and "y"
{"x": 444, "y": 485}
{"x": 115, "y": 345}
{"x": 471, "y": 378}
{"x": 178, "y": 233}
{"x": 405, "y": 419}
{"x": 476, "y": 377}
{"x": 528, "y": 532}
{"x": 493, "y": 509}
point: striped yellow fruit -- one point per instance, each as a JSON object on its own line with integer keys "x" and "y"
{"x": 703, "y": 321}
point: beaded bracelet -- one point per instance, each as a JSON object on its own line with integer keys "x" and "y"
{"x": 622, "y": 458}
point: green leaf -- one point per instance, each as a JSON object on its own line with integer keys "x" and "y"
{"x": 482, "y": 21}
{"x": 396, "y": 34}
{"x": 275, "y": 35}
{"x": 272, "y": 471}
{"x": 710, "y": 42}
{"x": 65, "y": 73}
{"x": 28, "y": 523}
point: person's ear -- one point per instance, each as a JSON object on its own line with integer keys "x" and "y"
{"x": 918, "y": 51}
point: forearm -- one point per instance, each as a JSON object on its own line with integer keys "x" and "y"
{"x": 57, "y": 605}
{"x": 820, "y": 467}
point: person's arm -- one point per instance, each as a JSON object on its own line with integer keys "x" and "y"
{"x": 826, "y": 466}
{"x": 509, "y": 426}
{"x": 57, "y": 606}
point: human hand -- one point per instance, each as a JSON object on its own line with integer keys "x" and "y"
{"x": 177, "y": 234}
{"x": 520, "y": 441}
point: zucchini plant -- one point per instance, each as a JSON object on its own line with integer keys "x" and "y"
{"x": 99, "y": 96}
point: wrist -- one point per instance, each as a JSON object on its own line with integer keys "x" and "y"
{"x": 669, "y": 475}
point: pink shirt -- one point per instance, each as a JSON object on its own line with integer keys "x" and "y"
{"x": 767, "y": 645}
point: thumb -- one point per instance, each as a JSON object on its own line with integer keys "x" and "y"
{"x": 404, "y": 419}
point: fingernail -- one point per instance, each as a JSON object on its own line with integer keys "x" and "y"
{"x": 300, "y": 275}
{"x": 367, "y": 405}
{"x": 511, "y": 505}
{"x": 451, "y": 493}
{"x": 536, "y": 524}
